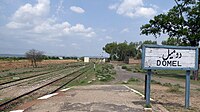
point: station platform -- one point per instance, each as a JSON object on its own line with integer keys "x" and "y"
{"x": 93, "y": 98}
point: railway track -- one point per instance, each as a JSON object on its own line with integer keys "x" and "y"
{"x": 6, "y": 104}
{"x": 30, "y": 77}
{"x": 26, "y": 80}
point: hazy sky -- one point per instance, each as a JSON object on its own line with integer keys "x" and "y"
{"x": 74, "y": 27}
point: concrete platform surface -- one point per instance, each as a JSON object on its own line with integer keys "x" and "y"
{"x": 94, "y": 98}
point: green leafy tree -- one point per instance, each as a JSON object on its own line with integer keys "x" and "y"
{"x": 111, "y": 48}
{"x": 182, "y": 22}
{"x": 122, "y": 51}
{"x": 149, "y": 42}
{"x": 170, "y": 41}
{"x": 119, "y": 51}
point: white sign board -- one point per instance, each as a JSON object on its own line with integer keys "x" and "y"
{"x": 170, "y": 57}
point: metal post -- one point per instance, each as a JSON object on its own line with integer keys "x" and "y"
{"x": 187, "y": 89}
{"x": 145, "y": 87}
{"x": 148, "y": 87}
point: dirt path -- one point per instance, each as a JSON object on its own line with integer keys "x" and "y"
{"x": 123, "y": 75}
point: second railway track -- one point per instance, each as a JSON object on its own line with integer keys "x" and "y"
{"x": 19, "y": 81}
{"x": 70, "y": 77}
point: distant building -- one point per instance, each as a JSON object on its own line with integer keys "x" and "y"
{"x": 131, "y": 60}
{"x": 86, "y": 59}
{"x": 103, "y": 60}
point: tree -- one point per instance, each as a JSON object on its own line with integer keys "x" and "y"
{"x": 111, "y": 49}
{"x": 170, "y": 41}
{"x": 122, "y": 51}
{"x": 147, "y": 42}
{"x": 119, "y": 51}
{"x": 34, "y": 56}
{"x": 182, "y": 22}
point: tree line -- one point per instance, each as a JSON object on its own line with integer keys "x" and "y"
{"x": 119, "y": 51}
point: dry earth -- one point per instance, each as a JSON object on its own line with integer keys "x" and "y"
{"x": 173, "y": 101}
{"x": 7, "y": 65}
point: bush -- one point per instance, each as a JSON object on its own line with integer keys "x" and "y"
{"x": 155, "y": 82}
{"x": 128, "y": 69}
{"x": 124, "y": 67}
{"x": 11, "y": 73}
{"x": 167, "y": 84}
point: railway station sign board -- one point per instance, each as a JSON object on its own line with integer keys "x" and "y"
{"x": 169, "y": 58}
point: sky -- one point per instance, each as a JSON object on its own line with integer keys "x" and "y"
{"x": 74, "y": 27}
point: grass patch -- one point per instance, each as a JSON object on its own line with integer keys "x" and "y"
{"x": 127, "y": 67}
{"x": 167, "y": 84}
{"x": 124, "y": 67}
{"x": 174, "y": 89}
{"x": 87, "y": 78}
{"x": 11, "y": 73}
{"x": 198, "y": 89}
{"x": 155, "y": 82}
{"x": 148, "y": 106}
{"x": 105, "y": 73}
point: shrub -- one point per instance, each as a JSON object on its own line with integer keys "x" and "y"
{"x": 198, "y": 89}
{"x": 11, "y": 73}
{"x": 167, "y": 84}
{"x": 155, "y": 82}
{"x": 124, "y": 67}
{"x": 174, "y": 89}
{"x": 128, "y": 69}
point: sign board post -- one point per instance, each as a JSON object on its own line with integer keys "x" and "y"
{"x": 169, "y": 58}
{"x": 145, "y": 88}
{"x": 187, "y": 89}
{"x": 148, "y": 87}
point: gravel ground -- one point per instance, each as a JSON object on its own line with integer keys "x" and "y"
{"x": 94, "y": 98}
{"x": 174, "y": 102}
{"x": 123, "y": 75}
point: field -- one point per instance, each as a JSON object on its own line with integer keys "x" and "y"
{"x": 7, "y": 65}
{"x": 28, "y": 83}
{"x": 21, "y": 78}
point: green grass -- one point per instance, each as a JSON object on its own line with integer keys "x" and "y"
{"x": 133, "y": 80}
{"x": 124, "y": 67}
{"x": 87, "y": 78}
{"x": 105, "y": 73}
{"x": 198, "y": 89}
{"x": 174, "y": 89}
{"x": 155, "y": 82}
{"x": 148, "y": 106}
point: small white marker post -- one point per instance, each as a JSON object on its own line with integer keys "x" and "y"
{"x": 94, "y": 66}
